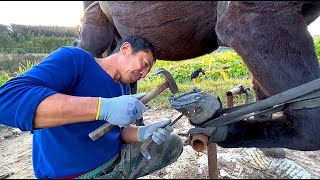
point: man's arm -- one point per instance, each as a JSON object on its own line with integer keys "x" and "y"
{"x": 129, "y": 134}
{"x": 60, "y": 109}
{"x": 40, "y": 97}
{"x": 57, "y": 73}
{"x": 135, "y": 134}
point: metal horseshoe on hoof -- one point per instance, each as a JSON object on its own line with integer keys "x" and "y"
{"x": 197, "y": 105}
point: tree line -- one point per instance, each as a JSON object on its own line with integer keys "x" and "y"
{"x": 20, "y": 39}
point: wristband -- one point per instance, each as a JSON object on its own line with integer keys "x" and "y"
{"x": 138, "y": 134}
{"x": 98, "y": 111}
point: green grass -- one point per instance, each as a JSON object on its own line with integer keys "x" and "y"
{"x": 215, "y": 87}
{"x": 4, "y": 77}
{"x": 181, "y": 71}
{"x": 26, "y": 55}
{"x": 23, "y": 66}
{"x": 212, "y": 82}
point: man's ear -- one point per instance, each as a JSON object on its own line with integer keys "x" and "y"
{"x": 125, "y": 48}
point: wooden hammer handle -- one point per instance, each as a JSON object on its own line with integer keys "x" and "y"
{"x": 103, "y": 129}
{"x": 100, "y": 131}
{"x": 155, "y": 92}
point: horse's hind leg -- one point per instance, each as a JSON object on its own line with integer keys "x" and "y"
{"x": 273, "y": 40}
{"x": 260, "y": 95}
{"x": 96, "y": 32}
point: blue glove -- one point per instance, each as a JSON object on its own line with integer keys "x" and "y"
{"x": 159, "y": 134}
{"x": 122, "y": 110}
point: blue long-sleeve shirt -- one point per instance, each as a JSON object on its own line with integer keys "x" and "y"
{"x": 64, "y": 150}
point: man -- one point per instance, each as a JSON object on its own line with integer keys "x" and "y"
{"x": 70, "y": 94}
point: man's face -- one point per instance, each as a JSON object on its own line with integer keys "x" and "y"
{"x": 135, "y": 66}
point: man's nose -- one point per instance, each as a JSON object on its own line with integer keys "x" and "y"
{"x": 144, "y": 72}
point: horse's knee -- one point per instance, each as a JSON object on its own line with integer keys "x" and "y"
{"x": 258, "y": 90}
{"x": 170, "y": 149}
{"x": 177, "y": 146}
{"x": 225, "y": 25}
{"x": 97, "y": 32}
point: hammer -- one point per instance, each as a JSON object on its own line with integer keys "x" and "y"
{"x": 168, "y": 83}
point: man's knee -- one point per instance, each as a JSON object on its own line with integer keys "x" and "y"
{"x": 175, "y": 146}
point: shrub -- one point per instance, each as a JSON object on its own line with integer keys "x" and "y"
{"x": 317, "y": 46}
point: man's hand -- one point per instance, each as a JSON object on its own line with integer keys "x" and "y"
{"x": 122, "y": 110}
{"x": 159, "y": 134}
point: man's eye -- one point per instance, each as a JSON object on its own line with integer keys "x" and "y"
{"x": 144, "y": 63}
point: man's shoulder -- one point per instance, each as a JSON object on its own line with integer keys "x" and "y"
{"x": 73, "y": 49}
{"x": 71, "y": 52}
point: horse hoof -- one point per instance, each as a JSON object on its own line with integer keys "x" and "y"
{"x": 274, "y": 152}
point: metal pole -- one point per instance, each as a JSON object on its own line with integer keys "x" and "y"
{"x": 212, "y": 161}
{"x": 199, "y": 143}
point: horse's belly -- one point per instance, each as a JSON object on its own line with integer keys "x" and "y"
{"x": 179, "y": 30}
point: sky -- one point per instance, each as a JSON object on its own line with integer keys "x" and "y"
{"x": 60, "y": 13}
{"x": 46, "y": 13}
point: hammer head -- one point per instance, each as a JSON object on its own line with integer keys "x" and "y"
{"x": 171, "y": 82}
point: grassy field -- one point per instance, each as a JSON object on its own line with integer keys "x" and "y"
{"x": 212, "y": 81}
{"x": 216, "y": 87}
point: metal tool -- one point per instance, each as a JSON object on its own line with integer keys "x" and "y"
{"x": 168, "y": 83}
{"x": 146, "y": 143}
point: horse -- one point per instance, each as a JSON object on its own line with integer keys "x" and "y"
{"x": 271, "y": 37}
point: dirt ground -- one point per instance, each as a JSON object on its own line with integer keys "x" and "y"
{"x": 234, "y": 163}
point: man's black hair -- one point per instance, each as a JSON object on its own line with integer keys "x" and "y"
{"x": 138, "y": 43}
